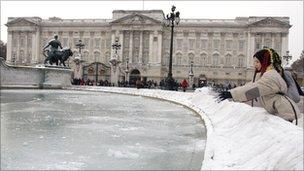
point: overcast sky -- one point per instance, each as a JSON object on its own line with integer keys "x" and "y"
{"x": 188, "y": 9}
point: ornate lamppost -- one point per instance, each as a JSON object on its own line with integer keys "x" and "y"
{"x": 80, "y": 46}
{"x": 287, "y": 57}
{"x": 127, "y": 70}
{"x": 14, "y": 59}
{"x": 171, "y": 20}
{"x": 191, "y": 74}
{"x": 78, "y": 60}
{"x": 114, "y": 61}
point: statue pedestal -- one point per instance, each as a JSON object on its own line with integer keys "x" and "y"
{"x": 114, "y": 75}
{"x": 78, "y": 71}
{"x": 34, "y": 77}
{"x": 54, "y": 66}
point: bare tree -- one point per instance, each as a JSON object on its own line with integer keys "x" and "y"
{"x": 2, "y": 49}
{"x": 298, "y": 65}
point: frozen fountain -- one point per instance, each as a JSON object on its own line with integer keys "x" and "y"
{"x": 82, "y": 130}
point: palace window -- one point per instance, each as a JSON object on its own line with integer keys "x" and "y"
{"x": 215, "y": 60}
{"x": 146, "y": 40}
{"x": 96, "y": 56}
{"x": 65, "y": 42}
{"x": 216, "y": 44}
{"x": 228, "y": 60}
{"x": 15, "y": 42}
{"x": 29, "y": 55}
{"x": 185, "y": 46}
{"x": 29, "y": 42}
{"x": 86, "y": 56}
{"x": 241, "y": 45}
{"x": 179, "y": 44}
{"x": 240, "y": 61}
{"x": 197, "y": 46}
{"x": 257, "y": 46}
{"x": 228, "y": 44}
{"x": 203, "y": 44}
{"x": 203, "y": 59}
{"x": 21, "y": 42}
{"x": 258, "y": 43}
{"x": 87, "y": 43}
{"x": 107, "y": 57}
{"x": 108, "y": 43}
{"x": 165, "y": 59}
{"x": 268, "y": 43}
{"x": 191, "y": 44}
{"x": 145, "y": 58}
{"x": 179, "y": 59}
{"x": 21, "y": 54}
{"x": 277, "y": 45}
{"x": 97, "y": 43}
{"x": 190, "y": 58}
{"x": 167, "y": 44}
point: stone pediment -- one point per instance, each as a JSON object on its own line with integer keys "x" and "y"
{"x": 135, "y": 19}
{"x": 21, "y": 22}
{"x": 269, "y": 22}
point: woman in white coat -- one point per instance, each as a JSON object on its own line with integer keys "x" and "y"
{"x": 269, "y": 86}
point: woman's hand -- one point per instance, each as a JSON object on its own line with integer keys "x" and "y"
{"x": 224, "y": 95}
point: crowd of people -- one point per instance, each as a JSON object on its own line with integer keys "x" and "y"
{"x": 183, "y": 85}
{"x": 89, "y": 82}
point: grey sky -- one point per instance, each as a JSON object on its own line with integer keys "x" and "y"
{"x": 188, "y": 9}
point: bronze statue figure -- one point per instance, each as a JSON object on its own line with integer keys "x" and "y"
{"x": 54, "y": 55}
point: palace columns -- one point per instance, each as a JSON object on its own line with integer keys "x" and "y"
{"x": 37, "y": 46}
{"x": 140, "y": 55}
{"x": 131, "y": 47}
{"x": 121, "y": 38}
{"x": 159, "y": 55}
{"x": 9, "y": 47}
{"x": 151, "y": 59}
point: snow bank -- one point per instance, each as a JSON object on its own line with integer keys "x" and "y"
{"x": 239, "y": 137}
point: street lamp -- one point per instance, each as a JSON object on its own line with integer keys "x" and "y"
{"x": 80, "y": 46}
{"x": 114, "y": 60}
{"x": 170, "y": 21}
{"x": 116, "y": 46}
{"x": 78, "y": 60}
{"x": 127, "y": 70}
{"x": 14, "y": 59}
{"x": 287, "y": 57}
{"x": 191, "y": 74}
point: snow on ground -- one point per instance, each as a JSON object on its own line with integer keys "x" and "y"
{"x": 239, "y": 137}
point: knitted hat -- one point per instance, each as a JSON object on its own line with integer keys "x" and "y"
{"x": 264, "y": 56}
{"x": 268, "y": 57}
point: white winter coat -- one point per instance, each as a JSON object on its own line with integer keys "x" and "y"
{"x": 265, "y": 89}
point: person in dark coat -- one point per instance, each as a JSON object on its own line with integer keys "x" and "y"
{"x": 184, "y": 85}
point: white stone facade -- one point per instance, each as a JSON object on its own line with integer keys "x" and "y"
{"x": 221, "y": 49}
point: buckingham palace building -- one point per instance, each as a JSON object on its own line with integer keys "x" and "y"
{"x": 220, "y": 49}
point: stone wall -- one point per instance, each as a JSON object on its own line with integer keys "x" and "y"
{"x": 33, "y": 77}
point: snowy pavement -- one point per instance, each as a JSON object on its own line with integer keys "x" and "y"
{"x": 239, "y": 137}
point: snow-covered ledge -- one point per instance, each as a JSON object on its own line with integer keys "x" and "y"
{"x": 239, "y": 137}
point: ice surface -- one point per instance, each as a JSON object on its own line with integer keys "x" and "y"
{"x": 56, "y": 129}
{"x": 239, "y": 137}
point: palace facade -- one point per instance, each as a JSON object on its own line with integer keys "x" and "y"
{"x": 221, "y": 49}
